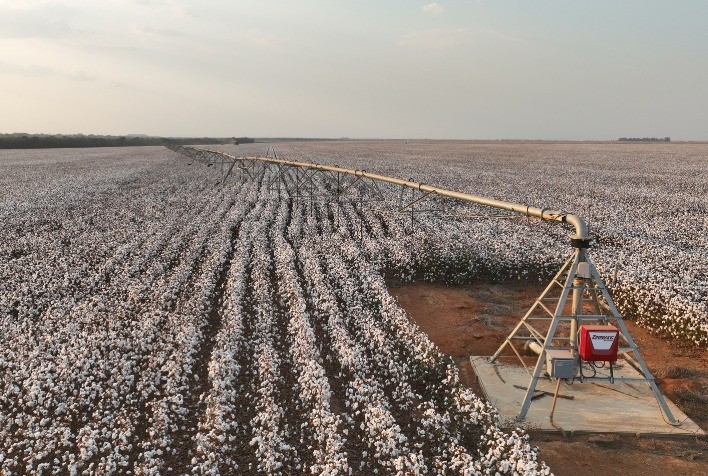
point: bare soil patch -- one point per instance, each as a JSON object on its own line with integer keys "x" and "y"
{"x": 475, "y": 319}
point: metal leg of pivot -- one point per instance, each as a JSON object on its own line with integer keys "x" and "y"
{"x": 548, "y": 343}
{"x": 616, "y": 316}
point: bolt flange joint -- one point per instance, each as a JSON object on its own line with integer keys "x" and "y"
{"x": 582, "y": 242}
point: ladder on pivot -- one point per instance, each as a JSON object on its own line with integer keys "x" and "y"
{"x": 576, "y": 295}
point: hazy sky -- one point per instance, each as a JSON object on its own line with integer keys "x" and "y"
{"x": 462, "y": 69}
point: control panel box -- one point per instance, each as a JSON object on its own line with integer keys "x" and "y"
{"x": 583, "y": 270}
{"x": 560, "y": 363}
{"x": 599, "y": 343}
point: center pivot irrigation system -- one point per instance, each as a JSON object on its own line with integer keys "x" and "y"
{"x": 584, "y": 325}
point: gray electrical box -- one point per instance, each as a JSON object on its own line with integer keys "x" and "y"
{"x": 583, "y": 270}
{"x": 559, "y": 363}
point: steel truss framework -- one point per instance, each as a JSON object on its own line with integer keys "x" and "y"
{"x": 576, "y": 295}
{"x": 578, "y": 284}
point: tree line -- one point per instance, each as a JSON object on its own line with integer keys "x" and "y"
{"x": 50, "y": 141}
{"x": 645, "y": 139}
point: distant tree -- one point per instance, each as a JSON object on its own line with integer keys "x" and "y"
{"x": 45, "y": 141}
{"x": 644, "y": 139}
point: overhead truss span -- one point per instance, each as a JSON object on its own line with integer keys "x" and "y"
{"x": 580, "y": 239}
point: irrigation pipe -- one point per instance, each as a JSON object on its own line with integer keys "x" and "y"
{"x": 581, "y": 239}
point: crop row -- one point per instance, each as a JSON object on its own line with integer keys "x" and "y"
{"x": 156, "y": 324}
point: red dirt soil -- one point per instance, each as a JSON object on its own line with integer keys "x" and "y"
{"x": 475, "y": 319}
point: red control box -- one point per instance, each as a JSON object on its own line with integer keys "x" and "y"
{"x": 599, "y": 343}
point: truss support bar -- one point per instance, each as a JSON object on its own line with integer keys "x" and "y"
{"x": 410, "y": 204}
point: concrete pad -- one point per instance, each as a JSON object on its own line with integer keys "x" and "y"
{"x": 595, "y": 407}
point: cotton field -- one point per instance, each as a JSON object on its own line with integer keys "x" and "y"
{"x": 156, "y": 322}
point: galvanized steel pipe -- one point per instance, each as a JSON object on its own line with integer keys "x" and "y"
{"x": 581, "y": 238}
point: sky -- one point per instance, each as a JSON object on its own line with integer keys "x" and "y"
{"x": 457, "y": 69}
